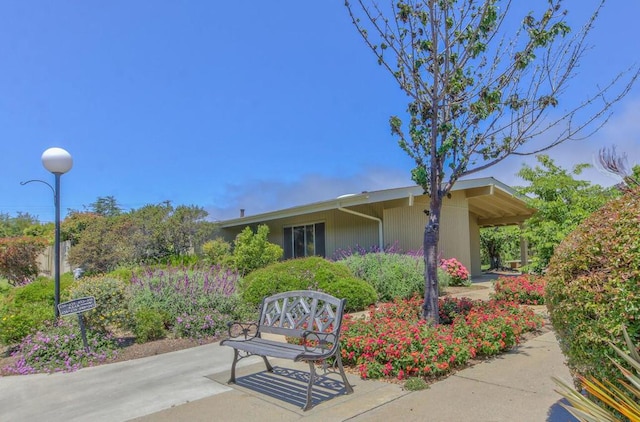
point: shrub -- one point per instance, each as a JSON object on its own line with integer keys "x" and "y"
{"x": 218, "y": 252}
{"x": 123, "y": 274}
{"x": 27, "y": 307}
{"x": 593, "y": 287}
{"x": 392, "y": 275}
{"x": 204, "y": 323}
{"x": 359, "y": 294}
{"x": 252, "y": 250}
{"x": 17, "y": 322}
{"x": 149, "y": 325}
{"x": 18, "y": 258}
{"x": 60, "y": 348}
{"x": 449, "y": 308}
{"x": 458, "y": 273}
{"x": 525, "y": 289}
{"x": 204, "y": 295}
{"x": 112, "y": 298}
{"x": 313, "y": 273}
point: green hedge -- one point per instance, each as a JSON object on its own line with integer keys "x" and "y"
{"x": 312, "y": 273}
{"x": 26, "y": 308}
{"x": 593, "y": 287}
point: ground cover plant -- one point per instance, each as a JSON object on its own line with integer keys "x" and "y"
{"x": 395, "y": 342}
{"x": 59, "y": 348}
{"x": 526, "y": 289}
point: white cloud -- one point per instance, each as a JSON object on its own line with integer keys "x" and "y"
{"x": 270, "y": 195}
{"x": 622, "y": 130}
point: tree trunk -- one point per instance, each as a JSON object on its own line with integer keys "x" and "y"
{"x": 430, "y": 309}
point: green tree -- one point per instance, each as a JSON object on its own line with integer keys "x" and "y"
{"x": 500, "y": 244}
{"x": 16, "y": 226}
{"x": 151, "y": 240}
{"x": 252, "y": 250}
{"x": 106, "y": 206}
{"x": 476, "y": 95}
{"x": 104, "y": 244}
{"x": 187, "y": 229}
{"x": 75, "y": 224}
{"x": 561, "y": 201}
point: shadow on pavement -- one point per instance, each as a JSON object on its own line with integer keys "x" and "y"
{"x": 558, "y": 413}
{"x": 290, "y": 386}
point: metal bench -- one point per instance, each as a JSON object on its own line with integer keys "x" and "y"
{"x": 312, "y": 317}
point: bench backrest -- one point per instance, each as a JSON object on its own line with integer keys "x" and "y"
{"x": 292, "y": 313}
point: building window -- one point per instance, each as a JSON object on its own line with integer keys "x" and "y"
{"x": 301, "y": 241}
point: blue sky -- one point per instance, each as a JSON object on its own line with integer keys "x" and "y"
{"x": 225, "y": 105}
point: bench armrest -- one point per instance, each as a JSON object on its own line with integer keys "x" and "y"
{"x": 322, "y": 344}
{"x": 242, "y": 330}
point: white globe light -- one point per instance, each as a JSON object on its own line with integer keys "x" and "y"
{"x": 57, "y": 160}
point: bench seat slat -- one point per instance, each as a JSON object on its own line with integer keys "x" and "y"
{"x": 264, "y": 347}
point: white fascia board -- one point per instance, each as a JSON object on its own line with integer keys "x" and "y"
{"x": 358, "y": 199}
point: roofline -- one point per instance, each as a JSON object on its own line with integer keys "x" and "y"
{"x": 365, "y": 197}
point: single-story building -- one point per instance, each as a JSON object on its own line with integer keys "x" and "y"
{"x": 392, "y": 217}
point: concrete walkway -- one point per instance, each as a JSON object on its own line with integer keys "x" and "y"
{"x": 190, "y": 385}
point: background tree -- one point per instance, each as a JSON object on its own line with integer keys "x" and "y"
{"x": 104, "y": 244}
{"x": 106, "y": 206}
{"x": 75, "y": 224}
{"x": 187, "y": 229}
{"x": 15, "y": 226}
{"x": 149, "y": 235}
{"x": 500, "y": 244}
{"x": 561, "y": 201}
{"x": 475, "y": 97}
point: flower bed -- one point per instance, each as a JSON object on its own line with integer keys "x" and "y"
{"x": 525, "y": 289}
{"x": 394, "y": 342}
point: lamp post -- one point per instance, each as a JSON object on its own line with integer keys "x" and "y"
{"x": 57, "y": 161}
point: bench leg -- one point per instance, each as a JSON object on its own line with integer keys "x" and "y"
{"x": 347, "y": 386}
{"x": 312, "y": 380}
{"x": 266, "y": 362}
{"x": 232, "y": 379}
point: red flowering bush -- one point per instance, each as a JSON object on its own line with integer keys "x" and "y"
{"x": 450, "y": 307}
{"x": 525, "y": 289}
{"x": 458, "y": 273}
{"x": 396, "y": 343}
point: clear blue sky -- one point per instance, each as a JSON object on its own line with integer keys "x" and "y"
{"x": 226, "y": 105}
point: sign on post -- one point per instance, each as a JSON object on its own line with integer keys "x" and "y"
{"x": 78, "y": 306}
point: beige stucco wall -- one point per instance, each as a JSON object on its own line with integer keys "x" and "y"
{"x": 474, "y": 243}
{"x": 403, "y": 227}
{"x": 454, "y": 229}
